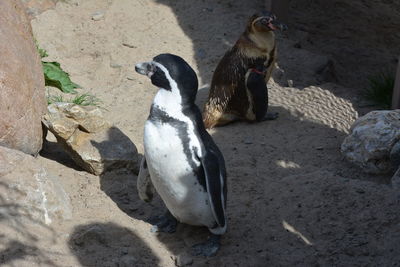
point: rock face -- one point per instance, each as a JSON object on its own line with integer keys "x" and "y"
{"x": 28, "y": 193}
{"x": 35, "y": 7}
{"x": 22, "y": 94}
{"x": 89, "y": 139}
{"x": 373, "y": 142}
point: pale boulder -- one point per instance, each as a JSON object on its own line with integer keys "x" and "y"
{"x": 89, "y": 139}
{"x": 372, "y": 139}
{"x": 28, "y": 192}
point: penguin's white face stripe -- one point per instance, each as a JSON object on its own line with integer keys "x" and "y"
{"x": 170, "y": 101}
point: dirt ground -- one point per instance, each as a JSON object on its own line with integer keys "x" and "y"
{"x": 292, "y": 198}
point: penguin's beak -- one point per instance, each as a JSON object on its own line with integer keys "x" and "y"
{"x": 278, "y": 25}
{"x": 273, "y": 24}
{"x": 145, "y": 68}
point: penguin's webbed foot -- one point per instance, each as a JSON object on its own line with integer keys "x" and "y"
{"x": 163, "y": 223}
{"x": 208, "y": 248}
{"x": 269, "y": 116}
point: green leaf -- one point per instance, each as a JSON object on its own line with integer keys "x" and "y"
{"x": 55, "y": 76}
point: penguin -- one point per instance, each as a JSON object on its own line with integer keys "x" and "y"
{"x": 238, "y": 88}
{"x": 181, "y": 160}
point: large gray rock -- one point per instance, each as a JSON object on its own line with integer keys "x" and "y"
{"x": 89, "y": 139}
{"x": 28, "y": 193}
{"x": 22, "y": 94}
{"x": 372, "y": 139}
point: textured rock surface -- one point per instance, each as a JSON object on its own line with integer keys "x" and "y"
{"x": 90, "y": 140}
{"x": 35, "y": 7}
{"x": 28, "y": 193}
{"x": 372, "y": 139}
{"x": 22, "y": 94}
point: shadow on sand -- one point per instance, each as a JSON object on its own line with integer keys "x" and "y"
{"x": 292, "y": 199}
{"x": 108, "y": 244}
{"x": 19, "y": 240}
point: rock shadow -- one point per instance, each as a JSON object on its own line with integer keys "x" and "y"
{"x": 19, "y": 233}
{"x": 119, "y": 183}
{"x": 109, "y": 244}
{"x": 54, "y": 151}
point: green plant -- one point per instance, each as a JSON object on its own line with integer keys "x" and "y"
{"x": 82, "y": 100}
{"x": 380, "y": 89}
{"x": 55, "y": 76}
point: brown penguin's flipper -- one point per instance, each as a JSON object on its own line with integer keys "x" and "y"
{"x": 217, "y": 118}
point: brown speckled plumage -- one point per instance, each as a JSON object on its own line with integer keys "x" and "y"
{"x": 228, "y": 99}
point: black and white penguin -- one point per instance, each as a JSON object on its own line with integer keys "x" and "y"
{"x": 184, "y": 164}
{"x": 238, "y": 88}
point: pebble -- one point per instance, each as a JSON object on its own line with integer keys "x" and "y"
{"x": 115, "y": 65}
{"x": 248, "y": 141}
{"x": 98, "y": 15}
{"x": 290, "y": 83}
{"x": 183, "y": 259}
{"x": 129, "y": 45}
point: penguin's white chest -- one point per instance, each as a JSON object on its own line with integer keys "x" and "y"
{"x": 170, "y": 155}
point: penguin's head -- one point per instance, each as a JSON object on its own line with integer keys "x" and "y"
{"x": 171, "y": 73}
{"x": 264, "y": 22}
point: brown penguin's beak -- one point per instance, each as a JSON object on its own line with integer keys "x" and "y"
{"x": 276, "y": 25}
{"x": 272, "y": 24}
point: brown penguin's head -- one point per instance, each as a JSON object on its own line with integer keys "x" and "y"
{"x": 264, "y": 22}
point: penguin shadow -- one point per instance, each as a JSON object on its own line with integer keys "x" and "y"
{"x": 109, "y": 244}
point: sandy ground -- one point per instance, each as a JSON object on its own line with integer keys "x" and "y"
{"x": 292, "y": 201}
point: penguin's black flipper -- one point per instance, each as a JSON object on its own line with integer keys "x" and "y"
{"x": 257, "y": 86}
{"x": 215, "y": 177}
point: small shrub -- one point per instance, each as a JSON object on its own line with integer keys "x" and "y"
{"x": 82, "y": 100}
{"x": 381, "y": 89}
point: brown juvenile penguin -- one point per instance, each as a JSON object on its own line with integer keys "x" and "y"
{"x": 239, "y": 85}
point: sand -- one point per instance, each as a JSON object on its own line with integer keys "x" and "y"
{"x": 293, "y": 200}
